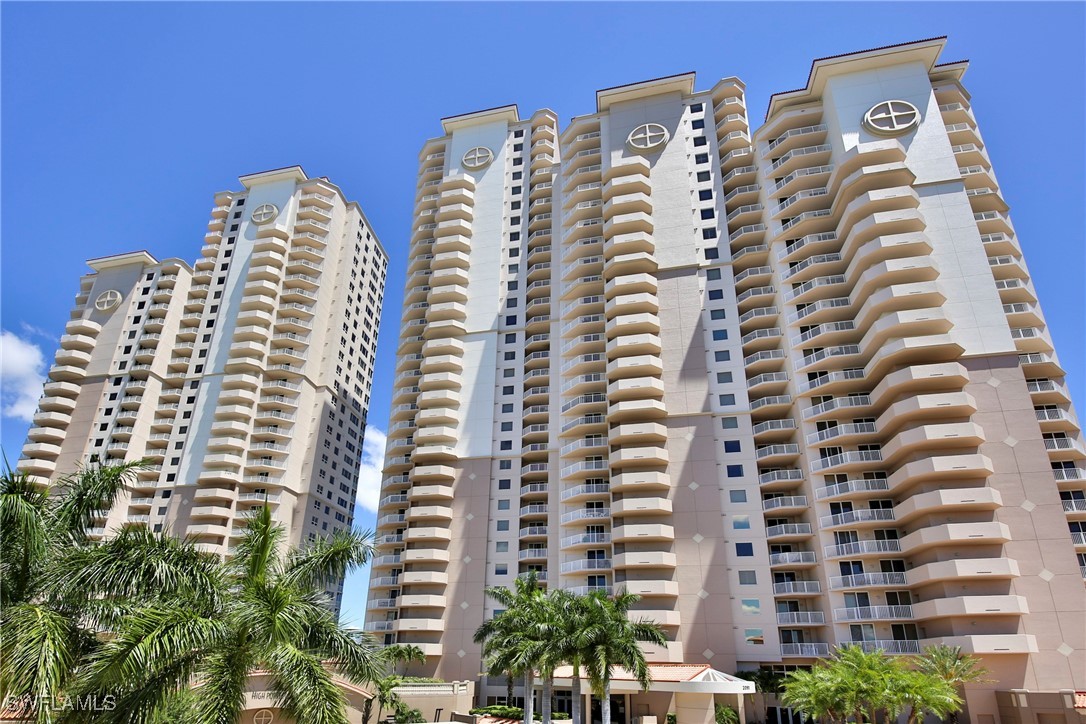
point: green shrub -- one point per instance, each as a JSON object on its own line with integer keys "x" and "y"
{"x": 672, "y": 718}
{"x": 726, "y": 715}
{"x": 513, "y": 712}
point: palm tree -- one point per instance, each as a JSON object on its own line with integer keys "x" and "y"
{"x": 405, "y": 654}
{"x": 611, "y": 639}
{"x": 814, "y": 692}
{"x": 385, "y": 693}
{"x": 512, "y": 640}
{"x": 46, "y": 629}
{"x": 264, "y": 610}
{"x": 923, "y": 695}
{"x": 949, "y": 664}
{"x": 571, "y": 646}
{"x": 767, "y": 682}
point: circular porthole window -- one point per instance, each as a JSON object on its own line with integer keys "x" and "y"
{"x": 647, "y": 136}
{"x": 107, "y": 300}
{"x": 892, "y": 118}
{"x": 264, "y": 716}
{"x": 478, "y": 157}
{"x": 264, "y": 213}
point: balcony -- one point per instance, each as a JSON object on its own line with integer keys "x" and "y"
{"x": 806, "y": 650}
{"x": 797, "y": 588}
{"x": 867, "y": 580}
{"x": 801, "y": 618}
{"x": 873, "y": 613}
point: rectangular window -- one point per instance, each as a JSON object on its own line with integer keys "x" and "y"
{"x": 723, "y": 377}
{"x": 716, "y": 294}
{"x": 719, "y": 335}
{"x": 703, "y": 176}
{"x": 737, "y": 496}
{"x": 748, "y": 578}
{"x": 735, "y": 471}
{"x": 503, "y": 505}
{"x": 501, "y": 546}
{"x": 705, "y": 194}
{"x": 707, "y": 214}
{"x": 754, "y": 636}
{"x": 727, "y": 399}
{"x": 717, "y": 314}
{"x": 732, "y": 446}
{"x": 751, "y": 606}
{"x": 503, "y": 525}
{"x": 741, "y": 522}
{"x": 744, "y": 550}
{"x": 713, "y": 275}
{"x": 729, "y": 423}
{"x": 722, "y": 355}
{"x": 504, "y": 484}
{"x": 697, "y": 123}
{"x": 501, "y": 569}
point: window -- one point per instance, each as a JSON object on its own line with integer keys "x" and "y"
{"x": 507, "y": 427}
{"x": 509, "y": 356}
{"x": 503, "y": 505}
{"x": 511, "y": 320}
{"x": 732, "y": 446}
{"x": 723, "y": 377}
{"x": 703, "y": 176}
{"x": 754, "y": 636}
{"x": 722, "y": 355}
{"x": 707, "y": 214}
{"x": 713, "y": 275}
{"x": 741, "y": 522}
{"x": 744, "y": 550}
{"x": 501, "y": 569}
{"x": 708, "y": 233}
{"x": 501, "y": 546}
{"x": 507, "y": 390}
{"x": 711, "y": 254}
{"x": 504, "y": 484}
{"x": 700, "y": 141}
{"x": 726, "y": 399}
{"x": 751, "y": 606}
{"x": 701, "y": 158}
{"x": 506, "y": 445}
{"x": 735, "y": 471}
{"x": 717, "y": 313}
{"x": 705, "y": 194}
{"x": 505, "y": 464}
{"x": 729, "y": 423}
{"x": 719, "y": 335}
{"x": 507, "y": 407}
{"x": 698, "y": 123}
{"x": 509, "y": 372}
{"x": 695, "y": 108}
{"x": 737, "y": 496}
{"x": 716, "y": 294}
{"x": 748, "y": 578}
{"x": 503, "y": 525}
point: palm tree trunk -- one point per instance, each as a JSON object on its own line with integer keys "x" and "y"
{"x": 509, "y": 689}
{"x": 548, "y": 689}
{"x": 529, "y": 681}
{"x": 605, "y": 704}
{"x": 577, "y": 698}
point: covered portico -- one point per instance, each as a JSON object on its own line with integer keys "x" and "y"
{"x": 690, "y": 691}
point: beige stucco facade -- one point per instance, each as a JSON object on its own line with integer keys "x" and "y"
{"x": 793, "y": 387}
{"x": 243, "y": 378}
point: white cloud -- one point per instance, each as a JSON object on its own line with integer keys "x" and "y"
{"x": 369, "y": 474}
{"x": 22, "y": 374}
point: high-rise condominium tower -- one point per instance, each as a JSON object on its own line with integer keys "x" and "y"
{"x": 794, "y": 387}
{"x": 243, "y": 378}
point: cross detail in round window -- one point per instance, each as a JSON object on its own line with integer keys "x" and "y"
{"x": 107, "y": 300}
{"x": 264, "y": 716}
{"x": 892, "y": 118}
{"x": 264, "y": 213}
{"x": 478, "y": 157}
{"x": 647, "y": 136}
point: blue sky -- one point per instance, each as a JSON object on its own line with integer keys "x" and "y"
{"x": 119, "y": 122}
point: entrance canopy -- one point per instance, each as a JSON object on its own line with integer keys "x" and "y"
{"x": 676, "y": 678}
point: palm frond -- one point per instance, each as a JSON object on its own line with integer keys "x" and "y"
{"x": 306, "y": 691}
{"x": 326, "y": 560}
